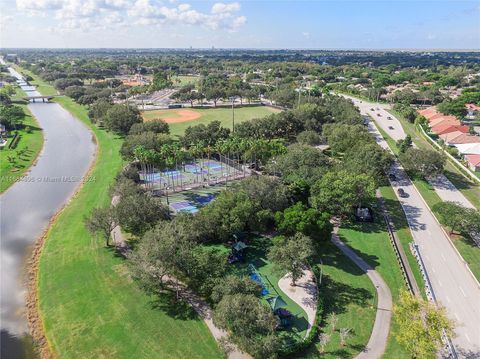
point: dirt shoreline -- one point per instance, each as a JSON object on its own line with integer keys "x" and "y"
{"x": 34, "y": 318}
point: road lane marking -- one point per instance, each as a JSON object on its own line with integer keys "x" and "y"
{"x": 466, "y": 336}
{"x": 456, "y": 316}
{"x": 440, "y": 283}
{"x": 463, "y": 292}
{"x": 445, "y": 259}
{"x": 448, "y": 299}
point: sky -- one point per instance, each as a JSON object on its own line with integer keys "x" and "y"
{"x": 314, "y": 24}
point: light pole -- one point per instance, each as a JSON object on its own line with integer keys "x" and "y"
{"x": 233, "y": 114}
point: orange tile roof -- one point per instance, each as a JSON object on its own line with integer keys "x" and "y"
{"x": 457, "y": 137}
{"x": 445, "y": 120}
{"x": 474, "y": 160}
{"x": 448, "y": 128}
{"x": 428, "y": 112}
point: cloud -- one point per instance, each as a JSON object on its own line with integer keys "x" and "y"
{"x": 83, "y": 15}
{"x": 221, "y": 8}
{"x": 431, "y": 37}
{"x": 306, "y": 34}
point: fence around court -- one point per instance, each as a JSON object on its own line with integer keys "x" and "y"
{"x": 187, "y": 176}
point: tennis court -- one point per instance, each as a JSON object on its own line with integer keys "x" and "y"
{"x": 192, "y": 200}
{"x": 191, "y": 175}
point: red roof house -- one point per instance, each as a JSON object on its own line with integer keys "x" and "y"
{"x": 442, "y": 129}
{"x": 445, "y": 120}
{"x": 473, "y": 162}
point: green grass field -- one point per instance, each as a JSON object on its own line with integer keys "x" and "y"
{"x": 346, "y": 291}
{"x": 89, "y": 305}
{"x": 30, "y": 143}
{"x": 224, "y": 115}
{"x": 182, "y": 80}
{"x": 371, "y": 242}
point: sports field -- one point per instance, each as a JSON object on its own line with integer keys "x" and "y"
{"x": 180, "y": 119}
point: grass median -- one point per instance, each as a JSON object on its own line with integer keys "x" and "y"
{"x": 89, "y": 305}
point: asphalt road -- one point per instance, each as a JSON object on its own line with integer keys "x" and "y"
{"x": 392, "y": 126}
{"x": 454, "y": 286}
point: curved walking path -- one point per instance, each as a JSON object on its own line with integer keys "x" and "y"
{"x": 201, "y": 306}
{"x": 378, "y": 339}
{"x": 304, "y": 293}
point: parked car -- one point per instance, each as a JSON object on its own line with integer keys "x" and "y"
{"x": 390, "y": 127}
{"x": 402, "y": 193}
{"x": 389, "y": 118}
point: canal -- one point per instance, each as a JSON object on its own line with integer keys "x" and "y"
{"x": 27, "y": 207}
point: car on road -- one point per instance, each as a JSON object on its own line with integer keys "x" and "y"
{"x": 389, "y": 118}
{"x": 372, "y": 109}
{"x": 402, "y": 193}
{"x": 390, "y": 127}
{"x": 379, "y": 115}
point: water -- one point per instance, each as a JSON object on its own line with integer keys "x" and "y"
{"x": 27, "y": 207}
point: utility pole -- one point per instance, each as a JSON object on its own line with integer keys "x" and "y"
{"x": 233, "y": 114}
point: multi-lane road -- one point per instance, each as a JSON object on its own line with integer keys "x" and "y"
{"x": 453, "y": 284}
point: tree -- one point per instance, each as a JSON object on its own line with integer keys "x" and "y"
{"x": 450, "y": 214}
{"x": 453, "y": 107}
{"x": 163, "y": 254}
{"x": 155, "y": 126}
{"x": 323, "y": 340}
{"x": 423, "y": 162}
{"x": 344, "y": 335}
{"x": 308, "y": 221}
{"x": 370, "y": 159}
{"x": 421, "y": 325}
{"x": 333, "y": 321}
{"x": 311, "y": 138}
{"x": 11, "y": 116}
{"x": 291, "y": 255}
{"x": 233, "y": 284}
{"x": 340, "y": 191}
{"x": 98, "y": 110}
{"x": 160, "y": 81}
{"x": 120, "y": 118}
{"x": 103, "y": 221}
{"x": 458, "y": 218}
{"x": 300, "y": 163}
{"x": 343, "y": 137}
{"x": 251, "y": 323}
{"x": 207, "y": 134}
{"x": 404, "y": 144}
{"x": 138, "y": 212}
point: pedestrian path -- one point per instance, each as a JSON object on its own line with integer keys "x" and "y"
{"x": 304, "y": 293}
{"x": 378, "y": 339}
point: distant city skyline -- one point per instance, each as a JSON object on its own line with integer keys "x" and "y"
{"x": 372, "y": 25}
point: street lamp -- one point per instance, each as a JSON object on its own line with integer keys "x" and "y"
{"x": 233, "y": 113}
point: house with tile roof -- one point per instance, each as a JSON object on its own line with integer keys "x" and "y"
{"x": 448, "y": 128}
{"x": 473, "y": 162}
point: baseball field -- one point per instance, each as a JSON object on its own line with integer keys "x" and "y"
{"x": 180, "y": 119}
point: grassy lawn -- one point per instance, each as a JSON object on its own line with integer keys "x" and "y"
{"x": 224, "y": 115}
{"x": 182, "y": 80}
{"x": 470, "y": 252}
{"x": 30, "y": 144}
{"x": 371, "y": 242}
{"x": 349, "y": 293}
{"x": 89, "y": 305}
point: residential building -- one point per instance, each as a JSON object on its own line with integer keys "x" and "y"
{"x": 473, "y": 162}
